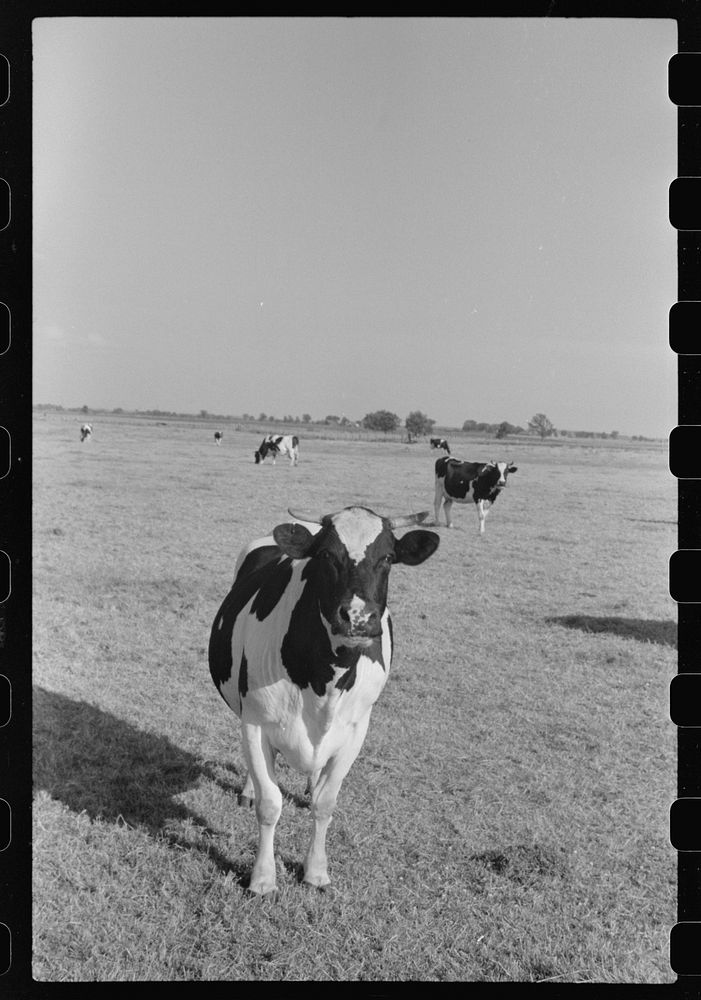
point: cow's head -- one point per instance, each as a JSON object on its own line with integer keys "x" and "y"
{"x": 268, "y": 447}
{"x": 499, "y": 471}
{"x": 350, "y": 559}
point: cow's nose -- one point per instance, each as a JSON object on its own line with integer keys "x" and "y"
{"x": 359, "y": 618}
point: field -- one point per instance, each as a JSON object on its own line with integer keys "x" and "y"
{"x": 507, "y": 818}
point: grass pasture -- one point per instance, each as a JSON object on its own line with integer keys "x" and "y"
{"x": 507, "y": 818}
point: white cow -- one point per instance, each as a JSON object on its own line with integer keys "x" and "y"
{"x": 278, "y": 444}
{"x": 300, "y": 650}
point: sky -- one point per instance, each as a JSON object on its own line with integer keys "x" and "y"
{"x": 464, "y": 216}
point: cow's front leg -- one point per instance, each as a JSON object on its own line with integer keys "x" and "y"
{"x": 482, "y": 507}
{"x": 324, "y": 795}
{"x": 260, "y": 757}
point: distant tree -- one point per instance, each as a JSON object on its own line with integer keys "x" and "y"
{"x": 417, "y": 423}
{"x": 84, "y": 409}
{"x": 614, "y": 434}
{"x": 306, "y": 417}
{"x": 204, "y": 413}
{"x": 381, "y": 420}
{"x": 470, "y": 425}
{"x": 541, "y": 425}
{"x": 331, "y": 419}
{"x": 118, "y": 409}
{"x": 262, "y": 417}
{"x": 504, "y": 429}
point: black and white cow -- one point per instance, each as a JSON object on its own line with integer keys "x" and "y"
{"x": 300, "y": 650}
{"x": 218, "y": 435}
{"x": 85, "y": 432}
{"x": 440, "y": 443}
{"x": 462, "y": 482}
{"x": 278, "y": 444}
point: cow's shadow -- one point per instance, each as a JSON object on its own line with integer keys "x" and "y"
{"x": 664, "y": 633}
{"x": 99, "y": 764}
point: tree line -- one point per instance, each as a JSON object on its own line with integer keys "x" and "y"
{"x": 417, "y": 423}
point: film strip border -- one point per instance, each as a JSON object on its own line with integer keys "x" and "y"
{"x": 15, "y": 500}
{"x": 685, "y": 464}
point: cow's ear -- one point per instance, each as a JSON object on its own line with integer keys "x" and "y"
{"x": 294, "y": 540}
{"x": 415, "y": 547}
{"x": 512, "y": 468}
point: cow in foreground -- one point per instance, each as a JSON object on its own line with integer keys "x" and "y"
{"x": 462, "y": 482}
{"x": 440, "y": 443}
{"x": 278, "y": 444}
{"x": 218, "y": 435}
{"x": 85, "y": 432}
{"x": 300, "y": 650}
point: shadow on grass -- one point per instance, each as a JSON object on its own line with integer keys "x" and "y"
{"x": 664, "y": 633}
{"x": 98, "y": 764}
{"x": 524, "y": 863}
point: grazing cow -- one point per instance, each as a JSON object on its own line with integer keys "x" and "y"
{"x": 300, "y": 650}
{"x": 440, "y": 443}
{"x": 278, "y": 444}
{"x": 85, "y": 432}
{"x": 218, "y": 435}
{"x": 461, "y": 482}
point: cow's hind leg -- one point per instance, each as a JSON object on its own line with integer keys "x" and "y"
{"x": 247, "y": 796}
{"x": 311, "y": 783}
{"x": 260, "y": 757}
{"x": 437, "y": 499}
{"x": 324, "y": 797}
{"x": 447, "y": 505}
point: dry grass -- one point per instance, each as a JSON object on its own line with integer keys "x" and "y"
{"x": 507, "y": 818}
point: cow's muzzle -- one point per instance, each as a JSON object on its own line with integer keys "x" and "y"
{"x": 356, "y": 620}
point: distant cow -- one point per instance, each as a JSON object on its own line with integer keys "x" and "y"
{"x": 278, "y": 444}
{"x": 300, "y": 650}
{"x": 85, "y": 432}
{"x": 440, "y": 443}
{"x": 218, "y": 435}
{"x": 461, "y": 482}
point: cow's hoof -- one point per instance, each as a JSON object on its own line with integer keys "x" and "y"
{"x": 245, "y": 801}
{"x": 271, "y": 896}
{"x": 327, "y": 889}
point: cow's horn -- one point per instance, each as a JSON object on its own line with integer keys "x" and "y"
{"x": 404, "y": 520}
{"x": 303, "y": 516}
